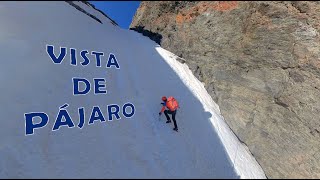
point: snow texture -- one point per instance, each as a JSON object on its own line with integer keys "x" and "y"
{"x": 143, "y": 146}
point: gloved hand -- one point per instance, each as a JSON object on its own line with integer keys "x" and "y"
{"x": 159, "y": 113}
{"x": 162, "y": 104}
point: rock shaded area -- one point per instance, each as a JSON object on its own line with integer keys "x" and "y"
{"x": 260, "y": 61}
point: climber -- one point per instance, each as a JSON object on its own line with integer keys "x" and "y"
{"x": 172, "y": 104}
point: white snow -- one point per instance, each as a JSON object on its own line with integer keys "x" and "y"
{"x": 143, "y": 146}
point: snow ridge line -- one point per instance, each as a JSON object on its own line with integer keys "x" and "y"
{"x": 83, "y": 11}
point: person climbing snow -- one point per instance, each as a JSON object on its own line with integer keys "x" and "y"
{"x": 172, "y": 104}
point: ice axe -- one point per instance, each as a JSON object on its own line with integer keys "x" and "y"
{"x": 159, "y": 116}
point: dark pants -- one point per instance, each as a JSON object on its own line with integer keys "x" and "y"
{"x": 173, "y": 113}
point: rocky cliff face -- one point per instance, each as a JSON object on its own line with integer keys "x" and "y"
{"x": 260, "y": 61}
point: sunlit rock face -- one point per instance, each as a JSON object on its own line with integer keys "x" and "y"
{"x": 260, "y": 61}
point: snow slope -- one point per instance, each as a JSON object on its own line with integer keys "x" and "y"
{"x": 143, "y": 146}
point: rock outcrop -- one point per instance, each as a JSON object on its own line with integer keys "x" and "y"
{"x": 260, "y": 61}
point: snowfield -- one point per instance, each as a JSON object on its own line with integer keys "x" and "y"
{"x": 142, "y": 146}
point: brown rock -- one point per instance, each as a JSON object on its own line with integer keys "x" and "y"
{"x": 260, "y": 61}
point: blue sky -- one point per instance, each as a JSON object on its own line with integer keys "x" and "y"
{"x": 120, "y": 11}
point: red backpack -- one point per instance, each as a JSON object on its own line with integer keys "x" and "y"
{"x": 172, "y": 103}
